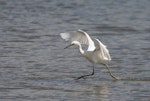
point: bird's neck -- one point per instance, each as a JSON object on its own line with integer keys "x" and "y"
{"x": 80, "y": 49}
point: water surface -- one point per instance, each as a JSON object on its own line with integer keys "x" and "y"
{"x": 35, "y": 67}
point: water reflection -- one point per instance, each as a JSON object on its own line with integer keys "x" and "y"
{"x": 99, "y": 92}
{"x": 34, "y": 66}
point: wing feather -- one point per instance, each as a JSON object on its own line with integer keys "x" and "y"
{"x": 102, "y": 49}
{"x": 80, "y": 36}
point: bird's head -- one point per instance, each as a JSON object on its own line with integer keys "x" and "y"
{"x": 73, "y": 43}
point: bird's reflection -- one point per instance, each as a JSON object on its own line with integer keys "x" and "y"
{"x": 101, "y": 89}
{"x": 99, "y": 92}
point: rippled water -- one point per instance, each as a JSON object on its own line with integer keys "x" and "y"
{"x": 35, "y": 67}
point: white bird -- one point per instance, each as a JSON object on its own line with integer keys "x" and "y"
{"x": 97, "y": 53}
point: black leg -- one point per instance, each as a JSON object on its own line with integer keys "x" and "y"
{"x": 86, "y": 75}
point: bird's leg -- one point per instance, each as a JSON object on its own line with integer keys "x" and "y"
{"x": 117, "y": 78}
{"x": 86, "y": 75}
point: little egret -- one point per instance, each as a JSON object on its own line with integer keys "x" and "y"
{"x": 97, "y": 53}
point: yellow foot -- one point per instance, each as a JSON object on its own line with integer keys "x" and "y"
{"x": 115, "y": 77}
{"x": 118, "y": 78}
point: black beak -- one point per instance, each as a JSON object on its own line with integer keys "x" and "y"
{"x": 68, "y": 46}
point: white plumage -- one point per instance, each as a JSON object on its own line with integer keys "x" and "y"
{"x": 80, "y": 36}
{"x": 97, "y": 52}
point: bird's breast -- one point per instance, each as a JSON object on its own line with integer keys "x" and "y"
{"x": 92, "y": 57}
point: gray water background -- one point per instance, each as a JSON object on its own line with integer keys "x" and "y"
{"x": 35, "y": 67}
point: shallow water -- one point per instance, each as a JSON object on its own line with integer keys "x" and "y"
{"x": 35, "y": 67}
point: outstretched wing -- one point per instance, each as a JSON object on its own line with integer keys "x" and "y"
{"x": 102, "y": 49}
{"x": 80, "y": 36}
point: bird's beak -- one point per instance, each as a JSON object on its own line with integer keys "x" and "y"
{"x": 68, "y": 46}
